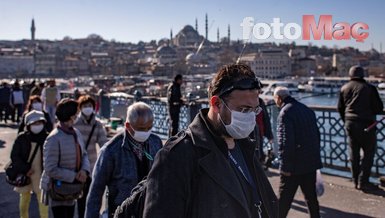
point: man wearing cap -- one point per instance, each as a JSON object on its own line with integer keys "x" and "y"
{"x": 210, "y": 169}
{"x": 22, "y": 152}
{"x": 358, "y": 104}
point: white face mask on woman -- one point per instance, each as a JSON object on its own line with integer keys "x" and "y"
{"x": 36, "y": 129}
{"x": 87, "y": 111}
{"x": 242, "y": 124}
{"x": 37, "y": 106}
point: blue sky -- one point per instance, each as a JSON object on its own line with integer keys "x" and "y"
{"x": 132, "y": 21}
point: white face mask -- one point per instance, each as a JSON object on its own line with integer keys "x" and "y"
{"x": 37, "y": 106}
{"x": 87, "y": 111}
{"x": 242, "y": 124}
{"x": 36, "y": 129}
{"x": 141, "y": 136}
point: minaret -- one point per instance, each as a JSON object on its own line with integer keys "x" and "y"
{"x": 171, "y": 39}
{"x": 218, "y": 35}
{"x": 207, "y": 28}
{"x": 228, "y": 33}
{"x": 33, "y": 29}
{"x": 196, "y": 24}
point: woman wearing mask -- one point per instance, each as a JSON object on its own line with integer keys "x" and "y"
{"x": 93, "y": 133}
{"x": 35, "y": 103}
{"x": 65, "y": 159}
{"x": 25, "y": 157}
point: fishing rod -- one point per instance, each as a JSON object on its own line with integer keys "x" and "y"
{"x": 307, "y": 96}
{"x": 319, "y": 94}
{"x": 200, "y": 47}
{"x": 371, "y": 126}
{"x": 243, "y": 48}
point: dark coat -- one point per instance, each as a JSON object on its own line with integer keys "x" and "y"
{"x": 192, "y": 177}
{"x": 5, "y": 95}
{"x": 359, "y": 101}
{"x": 298, "y": 138}
{"x": 22, "y": 148}
{"x": 174, "y": 95}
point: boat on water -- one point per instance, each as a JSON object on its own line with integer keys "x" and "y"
{"x": 381, "y": 90}
{"x": 319, "y": 85}
{"x": 270, "y": 85}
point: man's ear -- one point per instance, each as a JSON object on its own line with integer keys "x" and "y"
{"x": 215, "y": 103}
{"x": 127, "y": 125}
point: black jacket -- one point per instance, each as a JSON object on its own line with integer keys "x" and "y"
{"x": 359, "y": 101}
{"x": 192, "y": 177}
{"x": 22, "y": 148}
{"x": 298, "y": 138}
{"x": 5, "y": 95}
{"x": 174, "y": 95}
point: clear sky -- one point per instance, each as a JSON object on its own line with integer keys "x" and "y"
{"x": 132, "y": 21}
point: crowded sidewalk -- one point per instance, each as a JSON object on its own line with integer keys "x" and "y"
{"x": 339, "y": 200}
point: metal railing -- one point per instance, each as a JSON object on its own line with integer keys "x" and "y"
{"x": 334, "y": 147}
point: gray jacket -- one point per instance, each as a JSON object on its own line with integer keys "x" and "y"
{"x": 66, "y": 172}
{"x": 99, "y": 136}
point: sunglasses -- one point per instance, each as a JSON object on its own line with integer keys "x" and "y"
{"x": 243, "y": 84}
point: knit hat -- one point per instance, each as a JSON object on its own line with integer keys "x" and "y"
{"x": 34, "y": 116}
{"x": 356, "y": 72}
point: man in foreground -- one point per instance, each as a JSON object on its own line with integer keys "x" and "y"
{"x": 210, "y": 170}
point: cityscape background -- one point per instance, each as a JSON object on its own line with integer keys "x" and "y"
{"x": 157, "y": 40}
{"x": 134, "y": 21}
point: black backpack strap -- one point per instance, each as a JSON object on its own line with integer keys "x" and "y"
{"x": 33, "y": 154}
{"x": 90, "y": 135}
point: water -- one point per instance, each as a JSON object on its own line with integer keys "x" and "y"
{"x": 333, "y": 141}
{"x": 319, "y": 100}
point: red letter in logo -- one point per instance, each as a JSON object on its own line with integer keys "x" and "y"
{"x": 325, "y": 24}
{"x": 360, "y": 37}
{"x": 343, "y": 33}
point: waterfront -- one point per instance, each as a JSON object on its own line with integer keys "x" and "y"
{"x": 334, "y": 149}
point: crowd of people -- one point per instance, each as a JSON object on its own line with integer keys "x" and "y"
{"x": 214, "y": 168}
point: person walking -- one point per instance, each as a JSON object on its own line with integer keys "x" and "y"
{"x": 50, "y": 96}
{"x": 35, "y": 103}
{"x": 26, "y": 155}
{"x": 298, "y": 139}
{"x": 17, "y": 102}
{"x": 94, "y": 134}
{"x": 124, "y": 161}
{"x": 5, "y": 101}
{"x": 65, "y": 160}
{"x": 210, "y": 169}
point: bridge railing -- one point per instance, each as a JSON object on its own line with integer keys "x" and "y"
{"x": 334, "y": 146}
